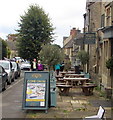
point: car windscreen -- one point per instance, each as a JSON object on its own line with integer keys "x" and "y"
{"x": 5, "y": 65}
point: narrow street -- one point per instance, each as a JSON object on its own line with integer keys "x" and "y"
{"x": 12, "y": 100}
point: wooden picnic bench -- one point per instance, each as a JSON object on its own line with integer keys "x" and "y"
{"x": 74, "y": 75}
{"x": 64, "y": 89}
{"x": 88, "y": 89}
{"x": 76, "y": 81}
{"x": 59, "y": 78}
{"x": 67, "y": 72}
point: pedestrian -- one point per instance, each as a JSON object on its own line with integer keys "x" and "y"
{"x": 34, "y": 65}
{"x": 57, "y": 68}
{"x": 62, "y": 66}
{"x": 40, "y": 66}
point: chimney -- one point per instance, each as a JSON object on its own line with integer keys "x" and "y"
{"x": 73, "y": 32}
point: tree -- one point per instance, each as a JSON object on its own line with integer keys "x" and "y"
{"x": 84, "y": 57}
{"x": 67, "y": 65}
{"x": 51, "y": 55}
{"x": 3, "y": 49}
{"x": 35, "y": 30}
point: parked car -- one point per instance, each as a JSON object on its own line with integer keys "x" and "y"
{"x": 7, "y": 65}
{"x": 19, "y": 70}
{"x": 3, "y": 78}
{"x": 25, "y": 66}
{"x": 16, "y": 68}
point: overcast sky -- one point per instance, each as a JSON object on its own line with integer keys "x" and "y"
{"x": 64, "y": 15}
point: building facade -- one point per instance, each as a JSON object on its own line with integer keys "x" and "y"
{"x": 12, "y": 44}
{"x": 99, "y": 19}
{"x": 70, "y": 47}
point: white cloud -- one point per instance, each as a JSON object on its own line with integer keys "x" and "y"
{"x": 64, "y": 14}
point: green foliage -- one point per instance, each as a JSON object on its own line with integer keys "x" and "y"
{"x": 35, "y": 30}
{"x": 109, "y": 63}
{"x": 8, "y": 53}
{"x": 80, "y": 109}
{"x": 3, "y": 49}
{"x": 83, "y": 56}
{"x": 51, "y": 55}
{"x": 67, "y": 65}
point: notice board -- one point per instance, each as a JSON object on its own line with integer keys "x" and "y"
{"x": 35, "y": 90}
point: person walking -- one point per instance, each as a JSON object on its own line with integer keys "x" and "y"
{"x": 40, "y": 66}
{"x": 34, "y": 65}
{"x": 57, "y": 68}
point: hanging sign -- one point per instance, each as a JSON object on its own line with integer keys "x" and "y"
{"x": 90, "y": 38}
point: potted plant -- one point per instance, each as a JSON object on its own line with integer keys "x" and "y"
{"x": 109, "y": 63}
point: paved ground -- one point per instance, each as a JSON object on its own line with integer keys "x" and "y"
{"x": 76, "y": 105}
{"x": 12, "y": 100}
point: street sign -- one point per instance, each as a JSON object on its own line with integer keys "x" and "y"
{"x": 89, "y": 38}
{"x": 79, "y": 41}
{"x": 36, "y": 90}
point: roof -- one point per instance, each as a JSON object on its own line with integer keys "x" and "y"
{"x": 69, "y": 44}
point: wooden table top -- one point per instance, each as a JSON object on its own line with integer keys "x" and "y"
{"x": 59, "y": 76}
{"x": 76, "y": 75}
{"x": 75, "y": 78}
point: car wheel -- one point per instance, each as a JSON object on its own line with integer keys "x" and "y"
{"x": 9, "y": 81}
{"x": 12, "y": 80}
{"x": 19, "y": 75}
{"x": 16, "y": 76}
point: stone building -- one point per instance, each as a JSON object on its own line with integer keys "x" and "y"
{"x": 99, "y": 19}
{"x": 69, "y": 45}
{"x": 107, "y": 29}
{"x": 12, "y": 44}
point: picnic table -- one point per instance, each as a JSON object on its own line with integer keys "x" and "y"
{"x": 76, "y": 81}
{"x": 63, "y": 73}
{"x": 59, "y": 78}
{"x": 88, "y": 89}
{"x": 64, "y": 89}
{"x": 74, "y": 75}
{"x": 67, "y": 72}
{"x": 71, "y": 72}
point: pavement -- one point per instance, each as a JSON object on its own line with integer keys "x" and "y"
{"x": 76, "y": 105}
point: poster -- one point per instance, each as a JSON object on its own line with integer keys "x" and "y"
{"x": 36, "y": 90}
{"x": 35, "y": 93}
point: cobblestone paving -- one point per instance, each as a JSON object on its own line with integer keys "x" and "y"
{"x": 75, "y": 105}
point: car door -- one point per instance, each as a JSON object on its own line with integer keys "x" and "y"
{"x": 11, "y": 71}
{"x": 4, "y": 78}
{"x": 0, "y": 78}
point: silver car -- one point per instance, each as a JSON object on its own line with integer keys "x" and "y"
{"x": 25, "y": 66}
{"x": 7, "y": 65}
{"x": 16, "y": 68}
{"x": 3, "y": 78}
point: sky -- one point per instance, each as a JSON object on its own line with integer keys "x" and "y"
{"x": 63, "y": 14}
